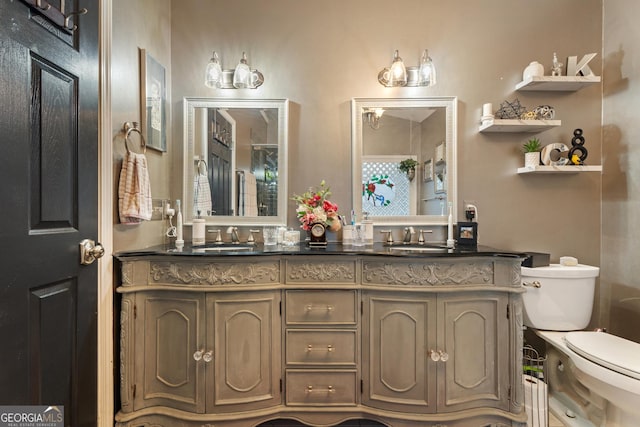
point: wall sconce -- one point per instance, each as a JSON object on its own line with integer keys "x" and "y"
{"x": 372, "y": 117}
{"x": 240, "y": 77}
{"x": 399, "y": 75}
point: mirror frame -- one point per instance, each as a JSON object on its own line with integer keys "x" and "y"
{"x": 189, "y": 106}
{"x": 450, "y": 103}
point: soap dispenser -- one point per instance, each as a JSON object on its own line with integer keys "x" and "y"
{"x": 367, "y": 224}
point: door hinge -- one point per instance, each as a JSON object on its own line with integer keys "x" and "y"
{"x": 509, "y": 393}
{"x": 362, "y": 308}
{"x": 280, "y": 307}
{"x": 133, "y": 390}
{"x": 135, "y": 311}
{"x": 280, "y": 385}
{"x": 361, "y": 386}
{"x": 508, "y": 312}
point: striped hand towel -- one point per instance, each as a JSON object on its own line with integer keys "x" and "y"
{"x": 134, "y": 190}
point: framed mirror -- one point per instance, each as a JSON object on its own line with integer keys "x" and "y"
{"x": 404, "y": 159}
{"x": 235, "y": 161}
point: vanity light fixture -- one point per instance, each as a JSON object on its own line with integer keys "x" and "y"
{"x": 239, "y": 78}
{"x": 400, "y": 75}
{"x": 372, "y": 117}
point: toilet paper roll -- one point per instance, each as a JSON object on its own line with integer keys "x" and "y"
{"x": 536, "y": 402}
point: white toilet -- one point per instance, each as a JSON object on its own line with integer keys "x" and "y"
{"x": 593, "y": 376}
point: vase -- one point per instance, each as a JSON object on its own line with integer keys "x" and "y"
{"x": 531, "y": 160}
{"x": 411, "y": 173}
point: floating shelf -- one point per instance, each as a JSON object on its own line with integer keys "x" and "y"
{"x": 515, "y": 125}
{"x": 557, "y": 83}
{"x": 559, "y": 169}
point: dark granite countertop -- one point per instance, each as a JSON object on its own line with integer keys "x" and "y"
{"x": 378, "y": 249}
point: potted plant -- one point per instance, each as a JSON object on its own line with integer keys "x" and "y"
{"x": 532, "y": 152}
{"x": 408, "y": 166}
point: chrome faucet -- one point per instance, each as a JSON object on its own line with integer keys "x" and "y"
{"x": 235, "y": 239}
{"x": 408, "y": 232}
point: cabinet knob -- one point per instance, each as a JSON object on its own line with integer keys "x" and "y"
{"x": 208, "y": 356}
{"x": 438, "y": 355}
{"x": 197, "y": 356}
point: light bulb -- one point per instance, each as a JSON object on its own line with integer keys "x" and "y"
{"x": 213, "y": 73}
{"x": 397, "y": 72}
{"x": 242, "y": 75}
{"x": 427, "y": 71}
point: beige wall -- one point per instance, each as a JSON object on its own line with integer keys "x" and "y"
{"x": 320, "y": 55}
{"x": 139, "y": 24}
{"x": 620, "y": 278}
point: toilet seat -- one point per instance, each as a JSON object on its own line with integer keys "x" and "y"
{"x": 606, "y": 350}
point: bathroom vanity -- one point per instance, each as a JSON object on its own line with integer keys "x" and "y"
{"x": 240, "y": 337}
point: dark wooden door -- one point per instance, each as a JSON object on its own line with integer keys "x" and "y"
{"x": 48, "y": 204}
{"x": 220, "y": 177}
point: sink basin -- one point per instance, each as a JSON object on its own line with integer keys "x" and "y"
{"x": 418, "y": 248}
{"x": 224, "y": 247}
{"x": 228, "y": 248}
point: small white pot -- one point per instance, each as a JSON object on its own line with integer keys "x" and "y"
{"x": 532, "y": 159}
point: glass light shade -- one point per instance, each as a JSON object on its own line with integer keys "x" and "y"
{"x": 426, "y": 71}
{"x": 242, "y": 77}
{"x": 397, "y": 72}
{"x": 213, "y": 72}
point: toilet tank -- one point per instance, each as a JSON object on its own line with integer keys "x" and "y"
{"x": 564, "y": 299}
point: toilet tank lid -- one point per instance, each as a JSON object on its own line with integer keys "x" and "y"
{"x": 561, "y": 271}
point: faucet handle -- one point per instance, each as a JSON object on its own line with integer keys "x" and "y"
{"x": 251, "y": 239}
{"x": 218, "y": 235}
{"x": 421, "y": 237}
{"x": 389, "y": 236}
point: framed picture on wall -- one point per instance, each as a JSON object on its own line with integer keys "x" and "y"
{"x": 153, "y": 102}
{"x": 428, "y": 170}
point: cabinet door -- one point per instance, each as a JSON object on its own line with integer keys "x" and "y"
{"x": 397, "y": 333}
{"x": 473, "y": 330}
{"x": 169, "y": 330}
{"x": 247, "y": 351}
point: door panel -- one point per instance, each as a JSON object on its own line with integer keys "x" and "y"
{"x": 172, "y": 329}
{"x": 475, "y": 334}
{"x": 48, "y": 79}
{"x": 247, "y": 351}
{"x": 396, "y": 332}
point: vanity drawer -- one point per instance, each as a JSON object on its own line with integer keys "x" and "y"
{"x": 321, "y": 388}
{"x": 321, "y": 307}
{"x": 321, "y": 347}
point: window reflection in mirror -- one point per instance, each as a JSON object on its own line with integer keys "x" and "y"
{"x": 235, "y": 158}
{"x": 404, "y": 159}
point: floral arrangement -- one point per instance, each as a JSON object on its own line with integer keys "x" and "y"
{"x": 313, "y": 207}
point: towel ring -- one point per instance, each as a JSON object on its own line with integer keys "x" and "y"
{"x": 129, "y": 127}
{"x": 199, "y": 164}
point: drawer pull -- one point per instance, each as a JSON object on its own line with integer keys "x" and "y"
{"x": 329, "y": 348}
{"x": 328, "y": 390}
{"x": 328, "y": 307}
